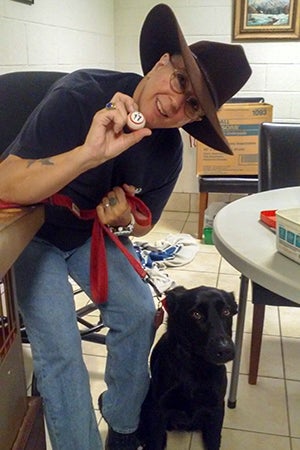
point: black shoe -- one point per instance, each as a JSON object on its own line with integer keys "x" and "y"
{"x": 100, "y": 399}
{"x": 120, "y": 441}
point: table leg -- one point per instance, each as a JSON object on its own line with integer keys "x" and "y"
{"x": 231, "y": 403}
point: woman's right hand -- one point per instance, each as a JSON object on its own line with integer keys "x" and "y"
{"x": 106, "y": 137}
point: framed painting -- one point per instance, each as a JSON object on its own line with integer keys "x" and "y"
{"x": 263, "y": 19}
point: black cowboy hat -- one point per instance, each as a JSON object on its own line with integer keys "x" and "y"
{"x": 216, "y": 70}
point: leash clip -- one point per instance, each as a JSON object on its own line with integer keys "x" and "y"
{"x": 148, "y": 280}
{"x": 75, "y": 210}
{"x": 161, "y": 298}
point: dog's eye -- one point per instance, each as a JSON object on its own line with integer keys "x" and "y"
{"x": 196, "y": 315}
{"x": 226, "y": 312}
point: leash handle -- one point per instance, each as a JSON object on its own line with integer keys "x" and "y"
{"x": 140, "y": 211}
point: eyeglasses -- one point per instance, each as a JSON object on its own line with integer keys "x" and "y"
{"x": 179, "y": 83}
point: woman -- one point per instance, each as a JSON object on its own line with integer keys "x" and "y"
{"x": 74, "y": 143}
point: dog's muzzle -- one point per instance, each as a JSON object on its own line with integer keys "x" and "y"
{"x": 220, "y": 351}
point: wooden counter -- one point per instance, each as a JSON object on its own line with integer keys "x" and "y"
{"x": 17, "y": 228}
{"x": 21, "y": 418}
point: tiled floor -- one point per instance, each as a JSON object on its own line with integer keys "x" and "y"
{"x": 267, "y": 416}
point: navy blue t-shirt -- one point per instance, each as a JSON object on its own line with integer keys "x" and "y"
{"x": 61, "y": 123}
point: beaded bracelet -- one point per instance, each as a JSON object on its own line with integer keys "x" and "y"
{"x": 124, "y": 231}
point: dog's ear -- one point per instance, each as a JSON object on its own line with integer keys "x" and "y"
{"x": 172, "y": 297}
{"x": 233, "y": 306}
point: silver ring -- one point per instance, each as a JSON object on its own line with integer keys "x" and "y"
{"x": 106, "y": 205}
{"x": 112, "y": 201}
{"x": 110, "y": 105}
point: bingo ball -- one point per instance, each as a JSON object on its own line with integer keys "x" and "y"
{"x": 135, "y": 121}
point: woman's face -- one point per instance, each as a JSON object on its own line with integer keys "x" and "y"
{"x": 161, "y": 106}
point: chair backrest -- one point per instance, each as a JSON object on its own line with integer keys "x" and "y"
{"x": 278, "y": 156}
{"x": 20, "y": 93}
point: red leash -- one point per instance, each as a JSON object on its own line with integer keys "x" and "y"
{"x": 98, "y": 263}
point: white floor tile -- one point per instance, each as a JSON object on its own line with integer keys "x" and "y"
{"x": 191, "y": 279}
{"x": 206, "y": 248}
{"x": 204, "y": 262}
{"x": 271, "y": 364}
{"x": 181, "y": 441}
{"x": 193, "y": 217}
{"x": 295, "y": 444}
{"x": 190, "y": 228}
{"x": 96, "y": 368}
{"x": 293, "y": 392}
{"x": 271, "y": 322}
{"x": 244, "y": 440}
{"x": 290, "y": 320}
{"x": 228, "y": 268}
{"x": 230, "y": 283}
{"x": 261, "y": 408}
{"x": 291, "y": 351}
{"x": 167, "y": 228}
{"x": 169, "y": 216}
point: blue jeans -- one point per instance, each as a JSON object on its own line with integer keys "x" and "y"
{"x": 46, "y": 303}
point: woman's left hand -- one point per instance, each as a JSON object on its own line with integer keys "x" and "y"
{"x": 114, "y": 209}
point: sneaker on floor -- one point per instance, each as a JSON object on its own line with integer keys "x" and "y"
{"x": 120, "y": 441}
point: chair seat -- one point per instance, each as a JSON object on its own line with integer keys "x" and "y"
{"x": 263, "y": 296}
{"x": 247, "y": 184}
{"x": 233, "y": 184}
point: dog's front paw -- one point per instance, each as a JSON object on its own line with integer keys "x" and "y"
{"x": 211, "y": 441}
{"x": 177, "y": 420}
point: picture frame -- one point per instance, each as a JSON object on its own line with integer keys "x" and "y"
{"x": 266, "y": 20}
{"x": 27, "y": 2}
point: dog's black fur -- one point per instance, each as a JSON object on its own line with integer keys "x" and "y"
{"x": 188, "y": 374}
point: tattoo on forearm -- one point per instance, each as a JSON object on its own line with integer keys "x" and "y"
{"x": 43, "y": 162}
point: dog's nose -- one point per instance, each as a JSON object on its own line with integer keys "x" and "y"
{"x": 224, "y": 351}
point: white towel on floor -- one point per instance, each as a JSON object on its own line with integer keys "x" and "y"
{"x": 173, "y": 251}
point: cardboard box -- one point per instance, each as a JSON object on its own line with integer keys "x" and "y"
{"x": 240, "y": 123}
{"x": 288, "y": 233}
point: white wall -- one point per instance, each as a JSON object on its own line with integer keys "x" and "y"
{"x": 68, "y": 34}
{"x": 56, "y": 34}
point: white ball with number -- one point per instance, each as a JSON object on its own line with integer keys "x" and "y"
{"x": 136, "y": 121}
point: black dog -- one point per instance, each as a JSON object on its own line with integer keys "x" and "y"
{"x": 188, "y": 374}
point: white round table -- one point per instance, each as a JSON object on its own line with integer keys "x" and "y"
{"x": 250, "y": 247}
